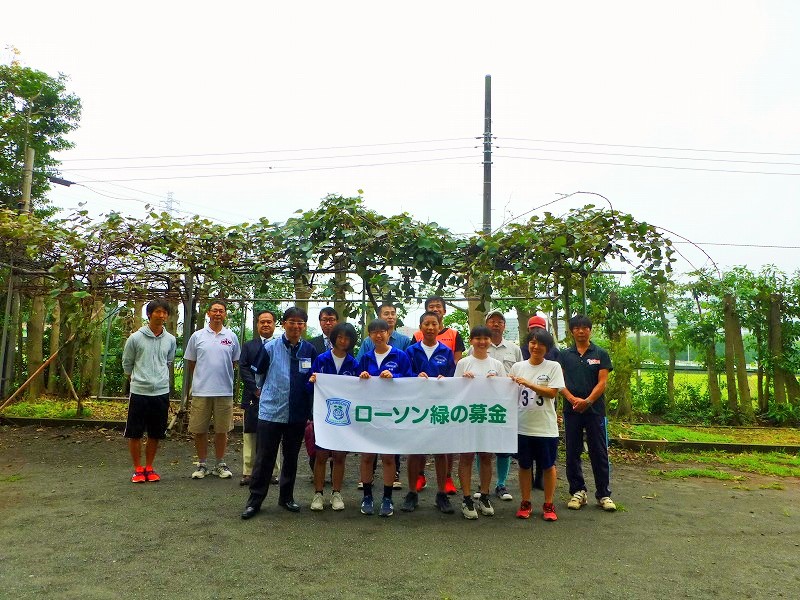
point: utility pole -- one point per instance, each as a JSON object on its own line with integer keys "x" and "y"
{"x": 487, "y": 156}
{"x": 168, "y": 204}
{"x": 476, "y": 316}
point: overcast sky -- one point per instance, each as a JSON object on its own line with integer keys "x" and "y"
{"x": 310, "y": 98}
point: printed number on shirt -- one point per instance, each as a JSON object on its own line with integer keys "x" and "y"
{"x": 529, "y": 399}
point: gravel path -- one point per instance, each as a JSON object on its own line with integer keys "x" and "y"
{"x": 74, "y": 527}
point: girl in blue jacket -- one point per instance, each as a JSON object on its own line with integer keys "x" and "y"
{"x": 336, "y": 361}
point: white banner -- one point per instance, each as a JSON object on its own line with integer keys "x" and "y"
{"x": 413, "y": 415}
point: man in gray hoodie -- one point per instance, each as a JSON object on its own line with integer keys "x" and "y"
{"x": 145, "y": 361}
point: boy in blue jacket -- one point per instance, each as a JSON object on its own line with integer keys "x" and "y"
{"x": 429, "y": 359}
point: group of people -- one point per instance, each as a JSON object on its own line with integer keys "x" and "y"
{"x": 279, "y": 372}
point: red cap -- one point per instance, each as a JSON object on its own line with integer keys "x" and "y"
{"x": 537, "y": 321}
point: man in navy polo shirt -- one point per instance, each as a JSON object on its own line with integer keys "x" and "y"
{"x": 586, "y": 368}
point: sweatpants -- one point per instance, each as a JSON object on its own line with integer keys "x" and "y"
{"x": 575, "y": 424}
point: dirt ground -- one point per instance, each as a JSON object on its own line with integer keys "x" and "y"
{"x": 73, "y": 526}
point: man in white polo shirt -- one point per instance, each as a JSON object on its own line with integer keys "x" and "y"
{"x": 211, "y": 357}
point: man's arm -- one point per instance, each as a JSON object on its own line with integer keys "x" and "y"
{"x": 247, "y": 375}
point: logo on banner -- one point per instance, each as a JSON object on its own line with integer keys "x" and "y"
{"x": 338, "y": 411}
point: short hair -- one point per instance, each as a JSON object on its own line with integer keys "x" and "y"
{"x": 294, "y": 312}
{"x": 433, "y": 299}
{"x": 329, "y": 310}
{"x": 480, "y": 331}
{"x": 347, "y": 330}
{"x": 158, "y": 303}
{"x": 218, "y": 301}
{"x": 386, "y": 305}
{"x": 542, "y": 336}
{"x": 377, "y": 325}
{"x": 428, "y": 313}
{"x": 266, "y": 310}
{"x": 580, "y": 321}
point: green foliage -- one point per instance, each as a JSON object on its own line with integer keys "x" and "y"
{"x": 773, "y": 463}
{"x": 36, "y": 110}
{"x": 673, "y": 433}
{"x": 650, "y": 397}
{"x": 458, "y": 320}
{"x": 45, "y": 410}
{"x": 783, "y": 414}
{"x": 684, "y": 473}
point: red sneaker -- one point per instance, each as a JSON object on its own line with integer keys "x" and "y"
{"x": 151, "y": 475}
{"x": 422, "y": 483}
{"x": 450, "y": 487}
{"x": 524, "y": 511}
{"x": 549, "y": 512}
{"x": 138, "y": 475}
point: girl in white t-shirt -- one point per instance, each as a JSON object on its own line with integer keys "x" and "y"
{"x": 478, "y": 364}
{"x": 539, "y": 380}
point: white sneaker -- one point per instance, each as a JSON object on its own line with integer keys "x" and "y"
{"x": 222, "y": 471}
{"x": 485, "y": 506}
{"x": 316, "y": 503}
{"x": 202, "y": 471}
{"x": 578, "y": 500}
{"x": 476, "y": 495}
{"x": 607, "y": 503}
{"x": 468, "y": 509}
{"x": 337, "y": 502}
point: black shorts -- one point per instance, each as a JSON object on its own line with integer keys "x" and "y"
{"x": 147, "y": 413}
{"x": 540, "y": 449}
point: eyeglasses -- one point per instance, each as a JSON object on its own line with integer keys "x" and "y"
{"x": 294, "y": 322}
{"x": 328, "y": 320}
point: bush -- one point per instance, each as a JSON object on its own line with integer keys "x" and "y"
{"x": 651, "y": 397}
{"x": 783, "y": 414}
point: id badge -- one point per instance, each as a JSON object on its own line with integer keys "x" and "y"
{"x": 305, "y": 365}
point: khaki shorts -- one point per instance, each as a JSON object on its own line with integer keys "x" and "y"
{"x": 204, "y": 407}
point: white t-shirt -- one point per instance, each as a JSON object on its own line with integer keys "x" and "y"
{"x": 215, "y": 354}
{"x": 379, "y": 357}
{"x": 429, "y": 350}
{"x": 537, "y": 415}
{"x": 480, "y": 367}
{"x": 338, "y": 361}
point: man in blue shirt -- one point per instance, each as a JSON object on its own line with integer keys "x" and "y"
{"x": 388, "y": 313}
{"x": 282, "y": 371}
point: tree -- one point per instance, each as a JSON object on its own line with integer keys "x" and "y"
{"x": 36, "y": 111}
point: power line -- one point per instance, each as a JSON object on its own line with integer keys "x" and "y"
{"x": 614, "y": 164}
{"x": 273, "y": 171}
{"x": 272, "y": 160}
{"x": 725, "y": 160}
{"x": 778, "y": 246}
{"x": 268, "y": 151}
{"x": 651, "y": 147}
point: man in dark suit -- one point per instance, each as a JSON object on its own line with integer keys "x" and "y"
{"x": 328, "y": 319}
{"x": 265, "y": 328}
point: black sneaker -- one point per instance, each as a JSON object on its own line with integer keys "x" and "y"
{"x": 410, "y": 502}
{"x": 443, "y": 503}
